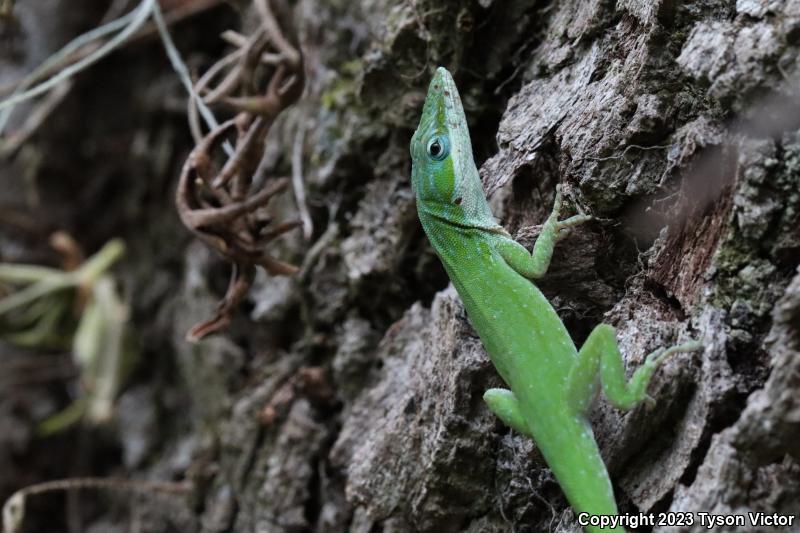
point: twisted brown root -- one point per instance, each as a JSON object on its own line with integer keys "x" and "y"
{"x": 221, "y": 207}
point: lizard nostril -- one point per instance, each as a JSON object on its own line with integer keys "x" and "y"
{"x": 457, "y": 201}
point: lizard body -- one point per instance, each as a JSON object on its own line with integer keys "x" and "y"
{"x": 552, "y": 384}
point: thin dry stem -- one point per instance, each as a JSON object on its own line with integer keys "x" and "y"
{"x": 297, "y": 180}
{"x": 220, "y": 205}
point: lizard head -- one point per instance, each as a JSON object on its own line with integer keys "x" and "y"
{"x": 443, "y": 170}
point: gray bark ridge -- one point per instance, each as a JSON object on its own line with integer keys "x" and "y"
{"x": 664, "y": 120}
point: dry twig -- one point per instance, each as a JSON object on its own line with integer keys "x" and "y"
{"x": 14, "y": 507}
{"x": 219, "y": 204}
{"x": 309, "y": 381}
{"x": 53, "y": 76}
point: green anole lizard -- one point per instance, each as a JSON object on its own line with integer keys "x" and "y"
{"x": 552, "y": 384}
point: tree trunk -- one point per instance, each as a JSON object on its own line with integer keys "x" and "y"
{"x": 348, "y": 397}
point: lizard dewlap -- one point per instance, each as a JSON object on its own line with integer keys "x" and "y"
{"x": 551, "y": 383}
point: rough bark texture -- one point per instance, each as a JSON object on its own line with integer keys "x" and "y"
{"x": 349, "y": 396}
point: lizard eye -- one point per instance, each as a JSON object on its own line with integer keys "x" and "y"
{"x": 438, "y": 147}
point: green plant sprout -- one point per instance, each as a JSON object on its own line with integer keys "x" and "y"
{"x": 39, "y": 312}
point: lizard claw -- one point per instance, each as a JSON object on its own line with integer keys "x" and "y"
{"x": 655, "y": 357}
{"x": 658, "y": 356}
{"x": 572, "y": 221}
{"x": 557, "y": 202}
{"x": 560, "y": 225}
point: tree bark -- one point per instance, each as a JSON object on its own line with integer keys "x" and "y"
{"x": 348, "y": 397}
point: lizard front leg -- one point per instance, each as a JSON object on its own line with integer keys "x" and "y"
{"x": 534, "y": 265}
{"x": 504, "y": 404}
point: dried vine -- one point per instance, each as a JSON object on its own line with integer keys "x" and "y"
{"x": 219, "y": 202}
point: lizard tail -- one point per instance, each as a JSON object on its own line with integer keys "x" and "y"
{"x": 572, "y": 454}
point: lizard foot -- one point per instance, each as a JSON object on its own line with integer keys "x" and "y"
{"x": 559, "y": 227}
